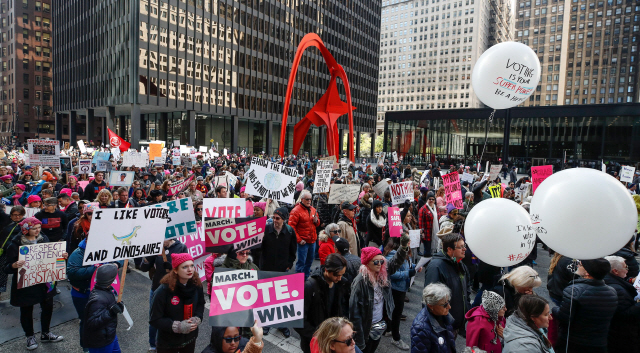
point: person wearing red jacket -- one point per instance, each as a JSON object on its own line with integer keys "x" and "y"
{"x": 304, "y": 219}
{"x": 325, "y": 240}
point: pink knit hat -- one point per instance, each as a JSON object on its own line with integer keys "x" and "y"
{"x": 29, "y": 223}
{"x": 177, "y": 259}
{"x": 66, "y": 191}
{"x": 33, "y": 198}
{"x": 369, "y": 253}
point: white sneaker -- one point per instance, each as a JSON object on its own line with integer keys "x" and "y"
{"x": 387, "y": 334}
{"x": 400, "y": 344}
{"x": 31, "y": 343}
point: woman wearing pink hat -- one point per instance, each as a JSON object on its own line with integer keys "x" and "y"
{"x": 34, "y": 201}
{"x": 177, "y": 307}
{"x": 20, "y": 196}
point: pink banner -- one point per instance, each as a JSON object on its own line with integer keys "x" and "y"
{"x": 196, "y": 247}
{"x": 241, "y": 233}
{"x": 539, "y": 174}
{"x": 175, "y": 188}
{"x": 452, "y": 189}
{"x": 395, "y": 223}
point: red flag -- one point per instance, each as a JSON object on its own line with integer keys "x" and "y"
{"x": 117, "y": 141}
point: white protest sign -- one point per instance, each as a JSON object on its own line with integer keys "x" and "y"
{"x": 323, "y": 177}
{"x": 227, "y": 208}
{"x": 221, "y": 180}
{"x": 182, "y": 219}
{"x": 81, "y": 146}
{"x": 203, "y": 149}
{"x": 394, "y": 154}
{"x": 401, "y": 192}
{"x": 271, "y": 180}
{"x": 125, "y": 233}
{"x": 175, "y": 160}
{"x": 135, "y": 159}
{"x": 102, "y": 166}
{"x": 340, "y": 193}
{"x": 233, "y": 180}
{"x": 31, "y": 211}
{"x": 467, "y": 177}
{"x": 381, "y": 187}
{"x": 414, "y": 236}
{"x": 494, "y": 171}
{"x": 158, "y": 161}
{"x": 344, "y": 167}
{"x": 45, "y": 153}
{"x": 116, "y": 153}
{"x": 43, "y": 263}
{"x": 84, "y": 166}
{"x": 381, "y": 157}
{"x": 626, "y": 173}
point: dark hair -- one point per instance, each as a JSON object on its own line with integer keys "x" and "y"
{"x": 449, "y": 241}
{"x": 335, "y": 263}
{"x": 18, "y": 209}
{"x": 122, "y": 189}
{"x": 219, "y": 188}
{"x": 98, "y": 172}
{"x": 532, "y": 306}
{"x": 392, "y": 244}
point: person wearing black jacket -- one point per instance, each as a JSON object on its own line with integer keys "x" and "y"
{"x": 54, "y": 221}
{"x": 69, "y": 206}
{"x": 101, "y": 313}
{"x": 93, "y": 188}
{"x": 588, "y": 305}
{"x": 561, "y": 273}
{"x": 8, "y": 232}
{"x": 177, "y": 307}
{"x": 623, "y": 333}
{"x": 160, "y": 267}
{"x": 323, "y": 292}
{"x": 629, "y": 257}
{"x": 376, "y": 221}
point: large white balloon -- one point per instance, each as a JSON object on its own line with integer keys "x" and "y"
{"x": 505, "y": 75}
{"x": 499, "y": 232}
{"x": 583, "y": 213}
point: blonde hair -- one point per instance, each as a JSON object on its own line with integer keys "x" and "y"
{"x": 106, "y": 192}
{"x": 523, "y": 276}
{"x": 329, "y": 332}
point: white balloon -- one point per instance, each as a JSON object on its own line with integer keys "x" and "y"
{"x": 499, "y": 232}
{"x": 506, "y": 75}
{"x": 583, "y": 213}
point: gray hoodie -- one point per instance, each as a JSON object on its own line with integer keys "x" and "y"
{"x": 520, "y": 338}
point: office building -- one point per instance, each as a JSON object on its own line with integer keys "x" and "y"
{"x": 192, "y": 71}
{"x": 428, "y": 49}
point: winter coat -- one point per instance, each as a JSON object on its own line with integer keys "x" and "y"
{"x": 623, "y": 333}
{"x": 236, "y": 265}
{"x": 480, "y": 330}
{"x": 375, "y": 225}
{"x": 301, "y": 220}
{"x": 510, "y": 295}
{"x": 99, "y": 323}
{"x": 427, "y": 333}
{"x": 594, "y": 304}
{"x": 316, "y": 310}
{"x": 349, "y": 234}
{"x": 630, "y": 259}
{"x": 79, "y": 276}
{"x": 363, "y": 215}
{"x": 71, "y": 211}
{"x": 327, "y": 246}
{"x": 92, "y": 189}
{"x": 26, "y": 296}
{"x": 278, "y": 252}
{"x": 520, "y": 338}
{"x": 209, "y": 268}
{"x": 353, "y": 265}
{"x": 441, "y": 205}
{"x": 442, "y": 269}
{"x": 362, "y": 297}
{"x": 168, "y": 306}
{"x": 54, "y": 225}
{"x": 560, "y": 278}
{"x": 324, "y": 209}
{"x": 400, "y": 279}
{"x": 157, "y": 262}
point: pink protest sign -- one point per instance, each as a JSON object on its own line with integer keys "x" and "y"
{"x": 238, "y": 297}
{"x": 452, "y": 189}
{"x": 115, "y": 284}
{"x": 395, "y": 223}
{"x": 196, "y": 247}
{"x": 539, "y": 174}
{"x": 83, "y": 183}
{"x": 241, "y": 233}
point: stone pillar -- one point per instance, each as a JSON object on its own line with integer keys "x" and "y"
{"x": 191, "y": 116}
{"x": 73, "y": 115}
{"x": 90, "y": 126}
{"x": 340, "y": 142}
{"x": 269, "y": 134}
{"x": 358, "y": 138}
{"x": 234, "y": 135}
{"x": 59, "y": 126}
{"x": 373, "y": 144}
{"x": 111, "y": 124}
{"x": 135, "y": 126}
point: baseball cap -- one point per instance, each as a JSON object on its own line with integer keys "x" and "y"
{"x": 341, "y": 244}
{"x": 348, "y": 206}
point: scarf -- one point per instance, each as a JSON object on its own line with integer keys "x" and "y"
{"x": 16, "y": 199}
{"x": 24, "y": 241}
{"x": 85, "y": 224}
{"x": 378, "y": 222}
{"x": 435, "y": 228}
{"x": 492, "y": 303}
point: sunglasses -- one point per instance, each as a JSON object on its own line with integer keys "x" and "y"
{"x": 378, "y": 262}
{"x": 276, "y": 218}
{"x": 199, "y": 209}
{"x": 349, "y": 341}
{"x": 231, "y": 339}
{"x": 243, "y": 253}
{"x": 337, "y": 231}
{"x": 306, "y": 199}
{"x": 89, "y": 213}
{"x": 446, "y": 304}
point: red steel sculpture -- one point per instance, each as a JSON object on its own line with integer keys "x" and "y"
{"x": 327, "y": 110}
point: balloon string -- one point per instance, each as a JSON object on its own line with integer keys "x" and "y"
{"x": 486, "y": 134}
{"x": 575, "y": 262}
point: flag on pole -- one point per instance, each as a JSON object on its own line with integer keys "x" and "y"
{"x": 117, "y": 141}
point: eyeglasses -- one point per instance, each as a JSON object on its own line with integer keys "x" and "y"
{"x": 306, "y": 199}
{"x": 349, "y": 341}
{"x": 89, "y": 213}
{"x": 276, "y": 218}
{"x": 244, "y": 253}
{"x": 446, "y": 304}
{"x": 336, "y": 231}
{"x": 378, "y": 262}
{"x": 199, "y": 209}
{"x": 463, "y": 246}
{"x": 231, "y": 339}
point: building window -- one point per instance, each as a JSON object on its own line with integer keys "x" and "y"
{"x": 25, "y": 64}
{"x": 25, "y": 79}
{"x": 26, "y": 125}
{"x": 38, "y": 36}
{"x": 38, "y": 5}
{"x": 46, "y": 7}
{"x": 38, "y": 95}
{"x": 25, "y": 93}
{"x": 25, "y": 50}
{"x": 38, "y": 51}
{"x": 25, "y": 34}
{"x": 25, "y": 4}
{"x": 46, "y": 37}
{"x": 38, "y": 21}
{"x": 46, "y": 52}
{"x": 25, "y": 18}
{"x": 38, "y": 80}
{"x": 38, "y": 65}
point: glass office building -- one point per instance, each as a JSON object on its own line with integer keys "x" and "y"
{"x": 581, "y": 134}
{"x": 202, "y": 70}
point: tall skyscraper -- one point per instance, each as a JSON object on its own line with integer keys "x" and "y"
{"x": 428, "y": 49}
{"x": 588, "y": 50}
{"x": 194, "y": 71}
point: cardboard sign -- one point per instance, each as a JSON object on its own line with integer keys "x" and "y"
{"x": 344, "y": 167}
{"x": 125, "y": 233}
{"x": 339, "y": 193}
{"x": 452, "y": 189}
{"x": 43, "y": 263}
{"x": 495, "y": 191}
{"x": 155, "y": 150}
{"x": 121, "y": 178}
{"x": 135, "y": 159}
{"x": 182, "y": 219}
{"x": 221, "y": 234}
{"x": 494, "y": 171}
{"x": 196, "y": 247}
{"x": 322, "y": 181}
{"x": 100, "y": 156}
{"x": 81, "y": 146}
{"x": 239, "y": 297}
{"x": 271, "y": 180}
{"x": 414, "y": 236}
{"x": 395, "y": 223}
{"x": 539, "y": 174}
{"x": 381, "y": 187}
{"x": 102, "y": 166}
{"x": 468, "y": 177}
{"x": 177, "y": 186}
{"x": 84, "y": 166}
{"x": 45, "y": 153}
{"x": 401, "y": 192}
{"x": 626, "y": 174}
{"x": 65, "y": 164}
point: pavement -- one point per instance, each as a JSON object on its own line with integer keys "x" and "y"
{"x": 136, "y": 299}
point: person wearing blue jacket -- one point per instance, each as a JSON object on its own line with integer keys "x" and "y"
{"x": 80, "y": 279}
{"x": 400, "y": 281}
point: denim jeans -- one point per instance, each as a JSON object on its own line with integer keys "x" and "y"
{"x": 152, "y": 330}
{"x": 305, "y": 259}
{"x": 79, "y": 303}
{"x": 113, "y": 347}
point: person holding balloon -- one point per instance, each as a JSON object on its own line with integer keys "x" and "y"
{"x": 520, "y": 281}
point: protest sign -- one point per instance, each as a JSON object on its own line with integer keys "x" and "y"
{"x": 539, "y": 174}
{"x": 494, "y": 171}
{"x": 395, "y": 223}
{"x": 196, "y": 247}
{"x": 227, "y": 208}
{"x": 81, "y": 146}
{"x": 31, "y": 211}
{"x": 182, "y": 219}
{"x": 221, "y": 180}
{"x": 344, "y": 167}
{"x": 121, "y": 178}
{"x": 523, "y": 191}
{"x": 332, "y": 159}
{"x": 43, "y": 263}
{"x": 175, "y": 160}
{"x": 100, "y": 156}
{"x": 495, "y": 191}
{"x": 414, "y": 236}
{"x": 125, "y": 233}
{"x": 271, "y": 180}
{"x": 381, "y": 157}
{"x": 115, "y": 284}
{"x": 102, "y": 166}
{"x": 240, "y": 297}
{"x": 115, "y": 152}
{"x": 45, "y": 153}
{"x": 381, "y": 187}
{"x": 468, "y": 177}
{"x": 221, "y": 234}
{"x": 158, "y": 161}
{"x": 401, "y": 192}
{"x": 323, "y": 177}
{"x": 339, "y": 193}
{"x": 233, "y": 180}
{"x": 155, "y": 150}
{"x": 186, "y": 161}
{"x": 177, "y": 186}
{"x": 65, "y": 164}
{"x": 452, "y": 189}
{"x": 84, "y": 166}
{"x": 626, "y": 174}
{"x": 394, "y": 154}
{"x": 135, "y": 159}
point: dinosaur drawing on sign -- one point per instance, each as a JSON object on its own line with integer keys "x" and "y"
{"x": 126, "y": 239}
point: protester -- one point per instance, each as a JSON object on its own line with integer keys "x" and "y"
{"x": 485, "y": 323}
{"x": 104, "y": 199}
{"x": 279, "y": 247}
{"x": 34, "y": 201}
{"x": 80, "y": 229}
{"x": 623, "y": 332}
{"x": 561, "y": 273}
{"x": 335, "y": 335}
{"x": 239, "y": 260}
{"x": 526, "y": 330}
{"x": 228, "y": 340}
{"x": 399, "y": 287}
{"x": 432, "y": 329}
{"x": 376, "y": 222}
{"x": 67, "y": 204}
{"x": 95, "y": 186}
{"x": 325, "y": 239}
{"x": 20, "y": 196}
{"x": 54, "y": 222}
{"x": 7, "y": 234}
{"x": 304, "y": 220}
{"x": 427, "y": 221}
{"x": 629, "y": 257}
{"x": 520, "y": 281}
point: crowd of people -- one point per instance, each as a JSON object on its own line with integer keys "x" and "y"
{"x": 357, "y": 294}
